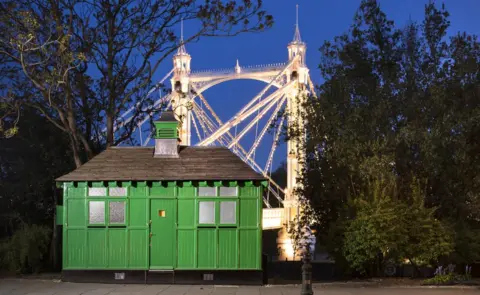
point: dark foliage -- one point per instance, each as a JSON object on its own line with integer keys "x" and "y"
{"x": 402, "y": 102}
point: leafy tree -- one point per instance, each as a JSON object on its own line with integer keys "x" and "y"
{"x": 386, "y": 228}
{"x": 27, "y": 250}
{"x": 30, "y": 161}
{"x": 83, "y": 63}
{"x": 407, "y": 97}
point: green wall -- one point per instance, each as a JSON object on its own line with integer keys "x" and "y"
{"x": 127, "y": 244}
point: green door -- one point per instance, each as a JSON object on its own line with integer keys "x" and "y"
{"x": 162, "y": 233}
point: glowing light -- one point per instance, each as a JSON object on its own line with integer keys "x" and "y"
{"x": 272, "y": 218}
{"x": 288, "y": 248}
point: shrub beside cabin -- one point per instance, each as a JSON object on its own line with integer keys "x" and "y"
{"x": 172, "y": 214}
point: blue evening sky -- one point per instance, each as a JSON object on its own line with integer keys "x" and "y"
{"x": 320, "y": 20}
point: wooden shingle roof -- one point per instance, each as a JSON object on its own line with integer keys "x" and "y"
{"x": 138, "y": 164}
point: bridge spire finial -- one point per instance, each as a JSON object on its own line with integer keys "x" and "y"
{"x": 181, "y": 49}
{"x": 238, "y": 69}
{"x": 296, "y": 37}
{"x": 181, "y": 27}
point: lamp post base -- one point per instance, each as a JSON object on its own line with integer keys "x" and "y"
{"x": 307, "y": 276}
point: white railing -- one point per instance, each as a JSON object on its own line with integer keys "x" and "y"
{"x": 246, "y": 69}
{"x": 272, "y": 218}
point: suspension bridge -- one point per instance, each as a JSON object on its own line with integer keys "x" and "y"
{"x": 277, "y": 102}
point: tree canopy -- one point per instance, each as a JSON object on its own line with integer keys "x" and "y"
{"x": 68, "y": 70}
{"x": 397, "y": 103}
{"x": 83, "y": 63}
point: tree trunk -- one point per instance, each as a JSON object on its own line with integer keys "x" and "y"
{"x": 76, "y": 154}
{"x": 110, "y": 139}
{"x": 110, "y": 74}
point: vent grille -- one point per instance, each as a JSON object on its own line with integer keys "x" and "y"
{"x": 166, "y": 133}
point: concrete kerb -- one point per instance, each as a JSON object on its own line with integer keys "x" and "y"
{"x": 376, "y": 285}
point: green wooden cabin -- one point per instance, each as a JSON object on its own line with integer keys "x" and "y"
{"x": 167, "y": 213}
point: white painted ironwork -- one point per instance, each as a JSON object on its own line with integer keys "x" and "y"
{"x": 285, "y": 84}
{"x": 272, "y": 218}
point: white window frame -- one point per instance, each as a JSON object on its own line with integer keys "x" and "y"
{"x": 215, "y": 189}
{"x": 235, "y": 204}
{"x": 90, "y": 215}
{"x": 212, "y": 221}
{"x": 228, "y": 187}
{"x": 97, "y": 191}
{"x": 124, "y": 213}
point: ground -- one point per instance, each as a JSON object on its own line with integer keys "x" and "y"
{"x": 54, "y": 287}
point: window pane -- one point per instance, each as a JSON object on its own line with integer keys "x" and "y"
{"x": 228, "y": 191}
{"x": 97, "y": 191}
{"x": 118, "y": 191}
{"x": 96, "y": 212}
{"x": 206, "y": 214}
{"x": 117, "y": 212}
{"x": 207, "y": 191}
{"x": 228, "y": 212}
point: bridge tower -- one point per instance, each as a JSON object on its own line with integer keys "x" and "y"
{"x": 279, "y": 102}
{"x": 181, "y": 104}
{"x": 299, "y": 74}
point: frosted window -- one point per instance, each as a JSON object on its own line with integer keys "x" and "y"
{"x": 96, "y": 212}
{"x": 207, "y": 191}
{"x": 97, "y": 191}
{"x": 228, "y": 191}
{"x": 117, "y": 212}
{"x": 206, "y": 214}
{"x": 118, "y": 191}
{"x": 228, "y": 212}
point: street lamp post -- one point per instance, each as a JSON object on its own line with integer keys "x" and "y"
{"x": 306, "y": 274}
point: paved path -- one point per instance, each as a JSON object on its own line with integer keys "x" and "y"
{"x": 39, "y": 287}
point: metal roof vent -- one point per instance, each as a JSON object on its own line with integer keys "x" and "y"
{"x": 166, "y": 136}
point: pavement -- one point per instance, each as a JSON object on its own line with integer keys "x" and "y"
{"x": 55, "y": 287}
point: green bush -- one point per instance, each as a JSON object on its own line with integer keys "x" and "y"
{"x": 385, "y": 227}
{"x": 26, "y": 250}
{"x": 442, "y": 279}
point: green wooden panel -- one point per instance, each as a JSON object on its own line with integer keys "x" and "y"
{"x": 138, "y": 212}
{"x": 249, "y": 250}
{"x": 248, "y": 191}
{"x": 166, "y": 129}
{"x": 59, "y": 215}
{"x": 162, "y": 255}
{"x": 186, "y": 212}
{"x": 139, "y": 191}
{"x": 117, "y": 250}
{"x": 75, "y": 248}
{"x": 76, "y": 192}
{"x": 186, "y": 249}
{"x": 161, "y": 191}
{"x": 227, "y": 248}
{"x": 137, "y": 248}
{"x": 249, "y": 212}
{"x": 76, "y": 212}
{"x": 98, "y": 184}
{"x": 207, "y": 248}
{"x": 186, "y": 192}
{"x": 97, "y": 248}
